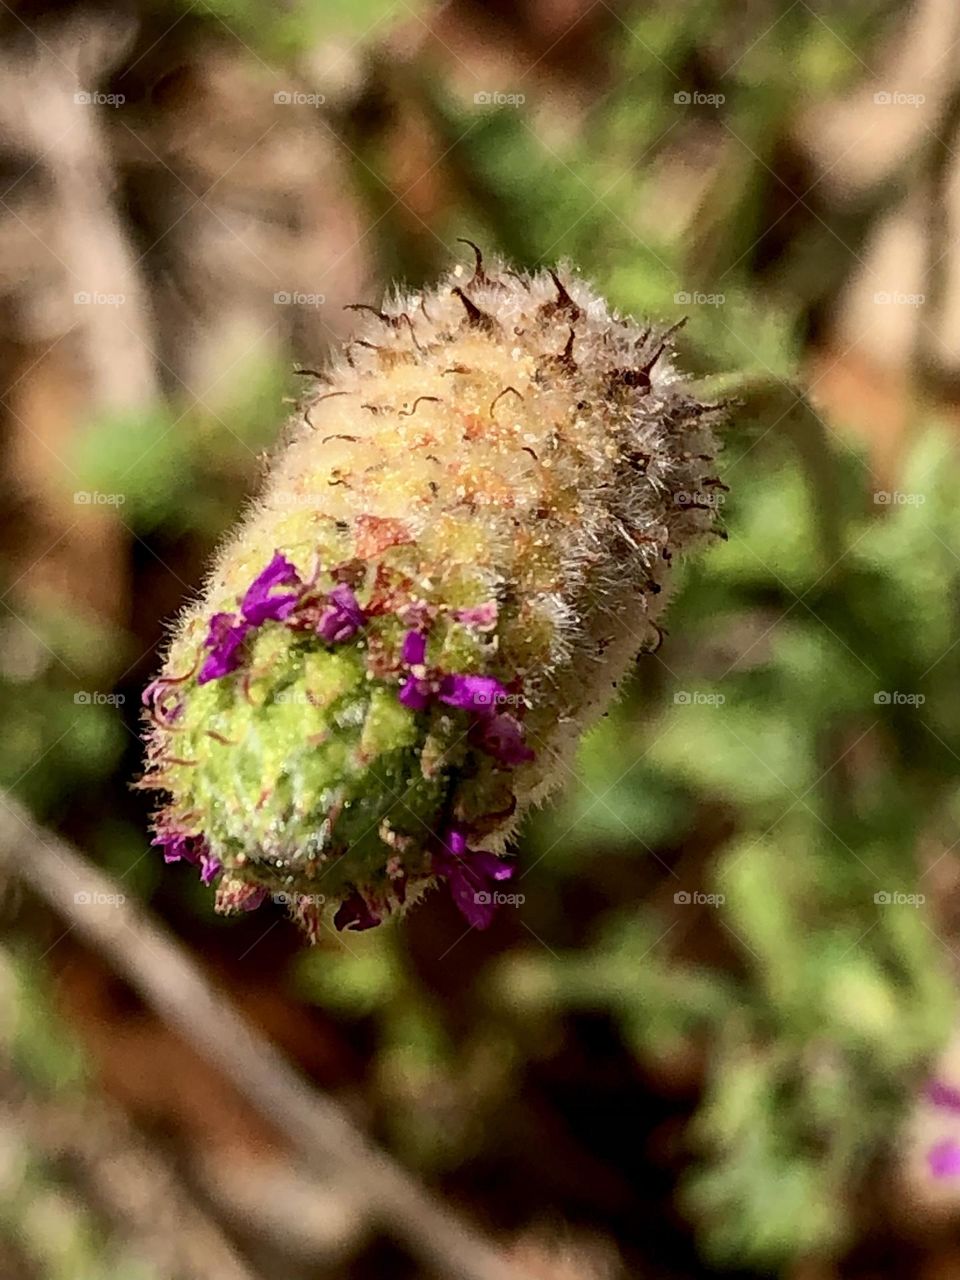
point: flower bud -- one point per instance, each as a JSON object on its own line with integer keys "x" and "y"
{"x": 460, "y": 547}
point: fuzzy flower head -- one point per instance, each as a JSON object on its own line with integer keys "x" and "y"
{"x": 463, "y": 543}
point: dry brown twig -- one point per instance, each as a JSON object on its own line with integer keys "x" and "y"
{"x": 166, "y": 977}
{"x": 137, "y": 1192}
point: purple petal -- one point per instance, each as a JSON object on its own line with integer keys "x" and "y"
{"x": 502, "y": 737}
{"x": 343, "y": 617}
{"x": 224, "y": 640}
{"x": 943, "y": 1095}
{"x": 471, "y": 877}
{"x": 473, "y": 901}
{"x": 414, "y": 648}
{"x": 258, "y": 605}
{"x": 478, "y": 694}
{"x": 455, "y": 842}
{"x": 151, "y": 691}
{"x": 253, "y": 896}
{"x": 210, "y": 867}
{"x": 488, "y": 865}
{"x": 355, "y": 913}
{"x": 944, "y": 1159}
{"x": 177, "y": 847}
{"x": 153, "y": 698}
{"x": 415, "y": 693}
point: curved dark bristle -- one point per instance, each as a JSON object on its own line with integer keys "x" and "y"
{"x": 408, "y": 413}
{"x": 564, "y": 301}
{"x": 475, "y": 317}
{"x": 479, "y": 275}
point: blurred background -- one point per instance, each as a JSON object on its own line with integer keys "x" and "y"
{"x": 702, "y": 1043}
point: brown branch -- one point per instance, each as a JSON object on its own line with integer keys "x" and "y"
{"x": 139, "y": 1194}
{"x": 169, "y": 980}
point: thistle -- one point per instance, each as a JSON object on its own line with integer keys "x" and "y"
{"x": 461, "y": 545}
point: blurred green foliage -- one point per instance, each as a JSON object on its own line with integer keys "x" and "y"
{"x": 43, "y": 1217}
{"x": 282, "y": 32}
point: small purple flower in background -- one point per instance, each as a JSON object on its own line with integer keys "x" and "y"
{"x": 258, "y": 605}
{"x": 941, "y": 1094}
{"x": 342, "y": 618}
{"x": 944, "y": 1159}
{"x": 471, "y": 876}
{"x": 355, "y": 913}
